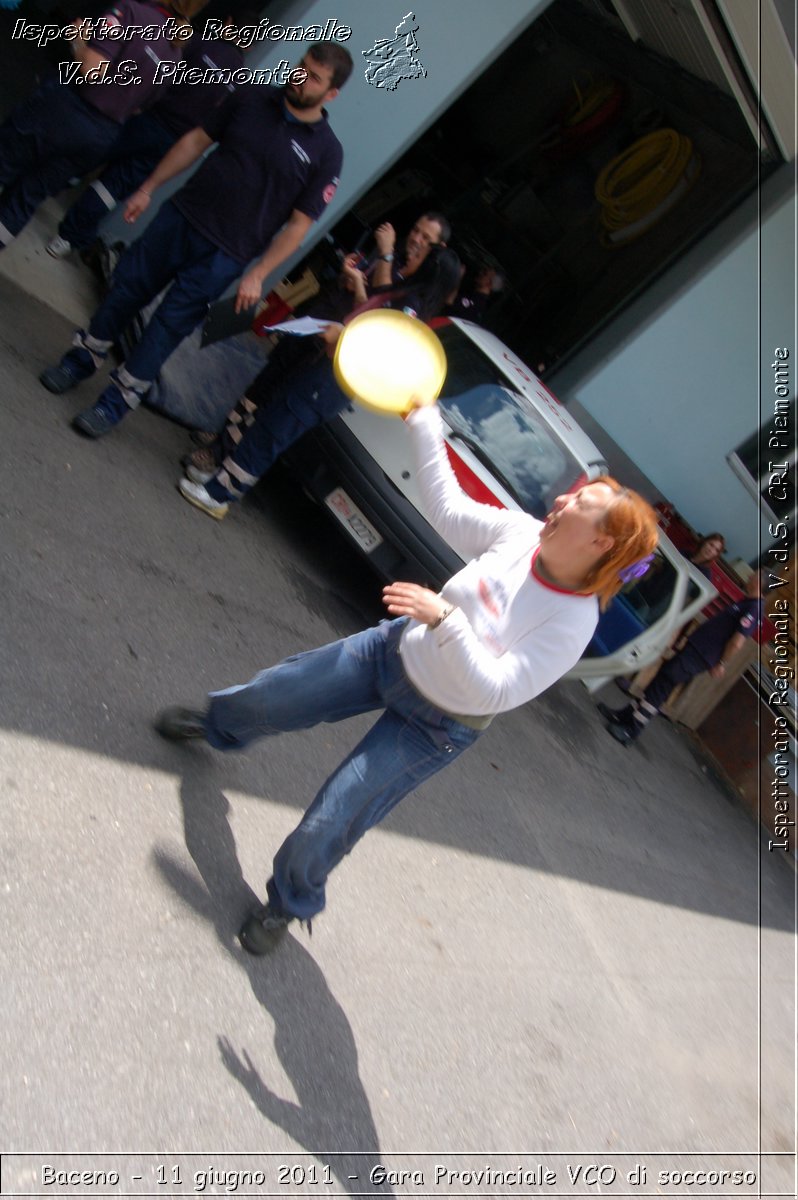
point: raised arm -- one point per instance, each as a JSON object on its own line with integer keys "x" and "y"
{"x": 469, "y": 527}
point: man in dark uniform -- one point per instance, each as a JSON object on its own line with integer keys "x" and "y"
{"x": 709, "y": 648}
{"x": 472, "y": 299}
{"x": 275, "y": 169}
{"x": 148, "y": 136}
{"x": 391, "y": 269}
{"x": 66, "y": 129}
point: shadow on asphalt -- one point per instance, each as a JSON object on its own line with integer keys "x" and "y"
{"x": 118, "y": 599}
{"x": 312, "y": 1036}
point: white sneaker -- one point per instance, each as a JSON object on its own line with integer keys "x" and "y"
{"x": 199, "y": 496}
{"x": 59, "y": 247}
{"x": 196, "y": 475}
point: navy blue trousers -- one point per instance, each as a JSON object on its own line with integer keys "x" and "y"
{"x": 683, "y": 667}
{"x": 47, "y": 140}
{"x": 139, "y": 148}
{"x": 169, "y": 252}
{"x": 298, "y": 401}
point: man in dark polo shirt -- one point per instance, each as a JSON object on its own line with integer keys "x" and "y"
{"x": 66, "y": 128}
{"x": 275, "y": 168}
{"x": 709, "y": 648}
{"x": 149, "y": 135}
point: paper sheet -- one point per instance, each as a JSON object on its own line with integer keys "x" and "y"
{"x": 301, "y": 326}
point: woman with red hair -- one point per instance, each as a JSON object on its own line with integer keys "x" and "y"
{"x": 502, "y": 630}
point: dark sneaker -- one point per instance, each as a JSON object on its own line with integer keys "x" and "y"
{"x": 78, "y": 364}
{"x": 180, "y": 724}
{"x": 263, "y": 930}
{"x": 109, "y": 410}
{"x": 616, "y": 716}
{"x": 622, "y": 734}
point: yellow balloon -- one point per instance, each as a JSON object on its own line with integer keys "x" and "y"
{"x": 385, "y": 358}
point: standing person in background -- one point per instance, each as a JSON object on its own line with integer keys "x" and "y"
{"x": 502, "y": 630}
{"x": 709, "y": 550}
{"x": 275, "y": 168}
{"x": 301, "y": 399}
{"x": 67, "y": 128}
{"x": 149, "y": 135}
{"x": 709, "y": 648}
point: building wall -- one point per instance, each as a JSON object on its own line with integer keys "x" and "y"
{"x": 457, "y": 39}
{"x": 693, "y": 380}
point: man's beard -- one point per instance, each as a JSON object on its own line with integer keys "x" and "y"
{"x": 299, "y": 101}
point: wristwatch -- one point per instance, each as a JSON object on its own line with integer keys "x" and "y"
{"x": 386, "y": 258}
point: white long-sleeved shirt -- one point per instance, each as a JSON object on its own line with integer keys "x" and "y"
{"x": 511, "y": 635}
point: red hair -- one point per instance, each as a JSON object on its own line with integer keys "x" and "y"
{"x": 632, "y": 523}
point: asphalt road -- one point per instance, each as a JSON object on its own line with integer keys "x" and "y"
{"x": 553, "y": 947}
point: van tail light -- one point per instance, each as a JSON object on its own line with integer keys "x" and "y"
{"x": 273, "y": 311}
{"x": 471, "y": 484}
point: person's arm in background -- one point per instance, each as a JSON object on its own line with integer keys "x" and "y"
{"x": 357, "y": 279}
{"x": 385, "y": 238}
{"x": 735, "y": 643}
{"x": 82, "y": 52}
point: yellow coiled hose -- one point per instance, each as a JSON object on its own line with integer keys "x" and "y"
{"x": 640, "y": 185}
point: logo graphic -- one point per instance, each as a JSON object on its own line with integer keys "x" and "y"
{"x": 393, "y": 59}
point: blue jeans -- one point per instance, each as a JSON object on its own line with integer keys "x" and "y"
{"x": 170, "y": 251}
{"x": 49, "y": 138}
{"x": 140, "y": 146}
{"x": 411, "y": 741}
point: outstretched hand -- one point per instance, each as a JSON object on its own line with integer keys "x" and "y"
{"x": 412, "y": 600}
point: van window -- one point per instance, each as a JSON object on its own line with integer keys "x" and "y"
{"x": 509, "y": 437}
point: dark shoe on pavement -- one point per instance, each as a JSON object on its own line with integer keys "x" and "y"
{"x": 180, "y": 724}
{"x": 77, "y": 364}
{"x": 263, "y": 930}
{"x": 616, "y": 716}
{"x": 109, "y": 410}
{"x": 622, "y": 734}
{"x": 58, "y": 380}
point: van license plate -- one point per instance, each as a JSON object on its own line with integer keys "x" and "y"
{"x": 353, "y": 520}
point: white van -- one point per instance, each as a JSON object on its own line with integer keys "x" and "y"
{"x": 510, "y": 443}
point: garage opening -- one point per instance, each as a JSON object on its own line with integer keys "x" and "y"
{"x": 589, "y": 156}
